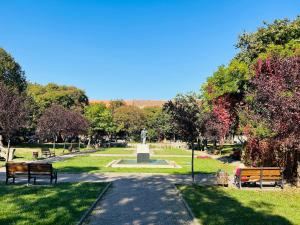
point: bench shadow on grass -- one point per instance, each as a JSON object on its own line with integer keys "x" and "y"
{"x": 59, "y": 204}
{"x": 212, "y": 206}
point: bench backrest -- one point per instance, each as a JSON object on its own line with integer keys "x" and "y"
{"x": 40, "y": 167}
{"x": 12, "y": 168}
{"x": 45, "y": 150}
{"x": 262, "y": 172}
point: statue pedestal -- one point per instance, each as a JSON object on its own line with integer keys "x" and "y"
{"x": 143, "y": 153}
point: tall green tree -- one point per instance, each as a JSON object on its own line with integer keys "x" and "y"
{"x": 101, "y": 120}
{"x": 158, "y": 123}
{"x": 280, "y": 32}
{"x": 186, "y": 114}
{"x": 130, "y": 120}
{"x": 66, "y": 96}
{"x": 11, "y": 73}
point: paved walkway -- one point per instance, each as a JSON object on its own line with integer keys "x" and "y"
{"x": 141, "y": 200}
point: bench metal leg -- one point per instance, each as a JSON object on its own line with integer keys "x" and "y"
{"x": 240, "y": 184}
{"x": 260, "y": 184}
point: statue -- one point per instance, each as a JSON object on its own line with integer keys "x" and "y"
{"x": 144, "y": 136}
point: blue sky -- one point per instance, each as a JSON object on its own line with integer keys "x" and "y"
{"x": 130, "y": 49}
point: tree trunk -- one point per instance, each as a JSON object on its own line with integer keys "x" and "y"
{"x": 54, "y": 144}
{"x": 8, "y": 150}
{"x": 298, "y": 169}
{"x": 193, "y": 174}
{"x": 1, "y": 140}
{"x": 79, "y": 144}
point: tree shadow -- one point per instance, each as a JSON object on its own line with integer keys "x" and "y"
{"x": 213, "y": 206}
{"x": 59, "y": 204}
{"x": 141, "y": 200}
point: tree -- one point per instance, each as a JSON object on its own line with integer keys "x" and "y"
{"x": 100, "y": 119}
{"x": 115, "y": 104}
{"x": 13, "y": 112}
{"x": 130, "y": 120}
{"x": 280, "y": 32}
{"x": 58, "y": 121}
{"x": 186, "y": 114}
{"x": 11, "y": 73}
{"x": 67, "y": 96}
{"x": 274, "y": 101}
{"x": 158, "y": 123}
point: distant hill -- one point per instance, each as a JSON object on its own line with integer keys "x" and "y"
{"x": 137, "y": 103}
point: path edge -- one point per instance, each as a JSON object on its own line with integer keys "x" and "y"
{"x": 188, "y": 208}
{"x": 88, "y": 212}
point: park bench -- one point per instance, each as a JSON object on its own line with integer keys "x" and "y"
{"x": 14, "y": 170}
{"x": 47, "y": 153}
{"x": 260, "y": 174}
{"x": 30, "y": 171}
{"x": 38, "y": 170}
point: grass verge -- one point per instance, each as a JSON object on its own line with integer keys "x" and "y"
{"x": 227, "y": 206}
{"x": 60, "y": 204}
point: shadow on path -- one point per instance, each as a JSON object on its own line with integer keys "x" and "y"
{"x": 139, "y": 201}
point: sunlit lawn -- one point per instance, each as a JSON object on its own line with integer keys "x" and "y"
{"x": 24, "y": 151}
{"x": 61, "y": 204}
{"x": 97, "y": 164}
{"x": 171, "y": 151}
{"x": 228, "y": 206}
{"x": 115, "y": 151}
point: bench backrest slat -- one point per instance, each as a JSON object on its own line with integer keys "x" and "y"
{"x": 45, "y": 150}
{"x": 40, "y": 167}
{"x": 12, "y": 168}
{"x": 264, "y": 172}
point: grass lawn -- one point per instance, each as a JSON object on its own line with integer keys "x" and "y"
{"x": 59, "y": 204}
{"x": 227, "y": 206}
{"x": 115, "y": 151}
{"x": 96, "y": 164}
{"x": 172, "y": 151}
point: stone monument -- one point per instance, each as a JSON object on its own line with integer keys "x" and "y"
{"x": 143, "y": 150}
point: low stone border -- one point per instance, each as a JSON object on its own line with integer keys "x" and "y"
{"x": 195, "y": 220}
{"x": 87, "y": 213}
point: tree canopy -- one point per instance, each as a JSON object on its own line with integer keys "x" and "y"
{"x": 130, "y": 120}
{"x": 11, "y": 73}
{"x": 66, "y": 96}
{"x": 100, "y": 118}
{"x": 13, "y": 112}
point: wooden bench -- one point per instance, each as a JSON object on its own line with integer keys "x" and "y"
{"x": 260, "y": 174}
{"x": 14, "y": 170}
{"x": 37, "y": 170}
{"x": 47, "y": 153}
{"x": 30, "y": 171}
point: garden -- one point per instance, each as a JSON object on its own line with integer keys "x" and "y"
{"x": 242, "y": 127}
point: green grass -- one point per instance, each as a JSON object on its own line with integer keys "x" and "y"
{"x": 171, "y": 151}
{"x": 96, "y": 164}
{"x": 225, "y": 149}
{"x": 60, "y": 204}
{"x": 227, "y": 206}
{"x": 115, "y": 151}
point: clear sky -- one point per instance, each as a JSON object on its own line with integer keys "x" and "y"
{"x": 130, "y": 49}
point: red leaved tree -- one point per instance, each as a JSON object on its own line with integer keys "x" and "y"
{"x": 58, "y": 121}
{"x": 13, "y": 112}
{"x": 275, "y": 94}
